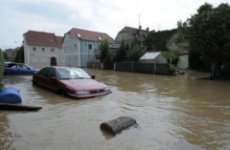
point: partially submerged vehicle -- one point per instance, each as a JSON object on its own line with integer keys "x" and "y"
{"x": 13, "y": 68}
{"x": 70, "y": 81}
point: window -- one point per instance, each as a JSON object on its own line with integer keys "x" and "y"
{"x": 43, "y": 49}
{"x": 52, "y": 73}
{"x": 90, "y": 46}
{"x": 52, "y": 49}
{"x": 34, "y": 48}
{"x": 48, "y": 72}
{"x": 79, "y": 35}
{"x": 75, "y": 46}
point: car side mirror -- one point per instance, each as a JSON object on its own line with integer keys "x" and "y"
{"x": 93, "y": 77}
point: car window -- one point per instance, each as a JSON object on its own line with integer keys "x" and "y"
{"x": 51, "y": 72}
{"x": 48, "y": 72}
{"x": 71, "y": 73}
{"x": 22, "y": 66}
{"x": 11, "y": 66}
{"x": 44, "y": 72}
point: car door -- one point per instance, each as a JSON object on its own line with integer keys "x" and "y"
{"x": 42, "y": 77}
{"x": 25, "y": 69}
{"x": 21, "y": 69}
{"x": 11, "y": 69}
{"x": 52, "y": 82}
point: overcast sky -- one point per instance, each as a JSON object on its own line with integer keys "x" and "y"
{"x": 109, "y": 16}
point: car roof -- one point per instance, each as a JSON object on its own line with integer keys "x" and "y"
{"x": 58, "y": 67}
{"x": 65, "y": 67}
{"x": 6, "y": 63}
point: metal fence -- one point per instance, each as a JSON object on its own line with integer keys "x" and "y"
{"x": 133, "y": 67}
{"x": 143, "y": 68}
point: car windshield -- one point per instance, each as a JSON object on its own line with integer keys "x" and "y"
{"x": 71, "y": 73}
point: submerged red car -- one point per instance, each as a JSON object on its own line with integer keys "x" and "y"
{"x": 70, "y": 81}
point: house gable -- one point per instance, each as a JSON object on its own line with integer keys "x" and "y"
{"x": 89, "y": 35}
{"x": 40, "y": 47}
{"x": 129, "y": 34}
{"x": 43, "y": 39}
{"x": 81, "y": 46}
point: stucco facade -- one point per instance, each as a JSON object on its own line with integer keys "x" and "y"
{"x": 77, "y": 52}
{"x": 38, "y": 54}
{"x": 81, "y": 46}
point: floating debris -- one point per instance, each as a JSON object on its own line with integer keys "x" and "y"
{"x": 117, "y": 125}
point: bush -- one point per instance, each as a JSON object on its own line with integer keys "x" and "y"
{"x": 171, "y": 57}
{"x": 136, "y": 52}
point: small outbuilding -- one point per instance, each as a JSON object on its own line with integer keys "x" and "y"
{"x": 153, "y": 58}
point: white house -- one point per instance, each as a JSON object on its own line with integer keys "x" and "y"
{"x": 40, "y": 48}
{"x": 81, "y": 46}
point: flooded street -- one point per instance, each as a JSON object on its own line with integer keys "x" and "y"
{"x": 173, "y": 113}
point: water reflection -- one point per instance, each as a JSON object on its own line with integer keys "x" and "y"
{"x": 200, "y": 110}
{"x": 5, "y": 135}
{"x": 174, "y": 112}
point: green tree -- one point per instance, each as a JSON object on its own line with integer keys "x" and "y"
{"x": 105, "y": 53}
{"x": 20, "y": 55}
{"x": 208, "y": 33}
{"x": 1, "y": 69}
{"x": 136, "y": 52}
{"x": 122, "y": 52}
{"x": 181, "y": 29}
{"x": 172, "y": 58}
{"x": 157, "y": 41}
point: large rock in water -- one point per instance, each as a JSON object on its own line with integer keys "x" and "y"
{"x": 117, "y": 125}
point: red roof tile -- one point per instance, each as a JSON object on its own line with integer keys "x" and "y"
{"x": 89, "y": 35}
{"x": 60, "y": 40}
{"x": 43, "y": 39}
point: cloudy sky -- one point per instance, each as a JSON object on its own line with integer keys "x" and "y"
{"x": 110, "y": 16}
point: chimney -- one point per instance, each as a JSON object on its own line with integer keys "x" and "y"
{"x": 140, "y": 27}
{"x": 147, "y": 29}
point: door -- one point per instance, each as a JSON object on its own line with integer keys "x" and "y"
{"x": 53, "y": 61}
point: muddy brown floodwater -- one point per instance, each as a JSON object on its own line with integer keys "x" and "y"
{"x": 173, "y": 113}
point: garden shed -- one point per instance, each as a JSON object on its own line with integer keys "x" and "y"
{"x": 153, "y": 58}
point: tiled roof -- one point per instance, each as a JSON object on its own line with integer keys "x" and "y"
{"x": 89, "y": 35}
{"x": 131, "y": 30}
{"x": 43, "y": 39}
{"x": 130, "y": 33}
{"x": 60, "y": 40}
